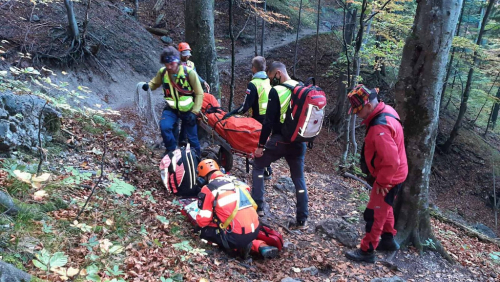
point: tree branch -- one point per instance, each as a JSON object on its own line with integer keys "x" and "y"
{"x": 98, "y": 181}
{"x": 375, "y": 13}
{"x": 239, "y": 33}
{"x": 40, "y": 148}
{"x": 347, "y": 174}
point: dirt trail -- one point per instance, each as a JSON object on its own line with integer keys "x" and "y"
{"x": 271, "y": 43}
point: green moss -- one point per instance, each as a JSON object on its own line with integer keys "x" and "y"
{"x": 12, "y": 259}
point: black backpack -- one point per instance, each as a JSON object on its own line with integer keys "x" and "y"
{"x": 179, "y": 171}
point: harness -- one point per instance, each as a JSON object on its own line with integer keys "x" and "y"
{"x": 243, "y": 201}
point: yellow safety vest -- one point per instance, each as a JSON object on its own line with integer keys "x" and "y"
{"x": 263, "y": 87}
{"x": 183, "y": 102}
{"x": 285, "y": 95}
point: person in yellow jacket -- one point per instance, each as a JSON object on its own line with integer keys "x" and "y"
{"x": 184, "y": 96}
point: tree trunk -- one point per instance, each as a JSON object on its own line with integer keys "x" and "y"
{"x": 317, "y": 37}
{"x": 231, "y": 35}
{"x": 297, "y": 41}
{"x": 418, "y": 92}
{"x": 136, "y": 10}
{"x": 465, "y": 97}
{"x": 200, "y": 36}
{"x": 338, "y": 116}
{"x": 263, "y": 29}
{"x": 73, "y": 26}
{"x": 494, "y": 114}
{"x": 255, "y": 39}
{"x": 450, "y": 64}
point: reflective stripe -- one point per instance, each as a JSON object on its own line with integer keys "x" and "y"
{"x": 223, "y": 188}
{"x": 227, "y": 199}
{"x": 253, "y": 227}
{"x": 301, "y": 191}
{"x": 205, "y": 213}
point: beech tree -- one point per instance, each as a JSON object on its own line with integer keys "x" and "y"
{"x": 418, "y": 93}
{"x": 200, "y": 36}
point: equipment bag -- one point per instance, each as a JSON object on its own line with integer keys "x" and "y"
{"x": 178, "y": 172}
{"x": 270, "y": 236}
{"x": 304, "y": 117}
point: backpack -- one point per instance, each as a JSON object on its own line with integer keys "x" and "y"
{"x": 304, "y": 117}
{"x": 178, "y": 172}
{"x": 270, "y": 236}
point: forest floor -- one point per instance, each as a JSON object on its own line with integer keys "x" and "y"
{"x": 146, "y": 238}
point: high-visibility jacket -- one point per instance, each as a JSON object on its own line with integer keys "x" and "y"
{"x": 190, "y": 95}
{"x": 284, "y": 94}
{"x": 263, "y": 86}
{"x": 232, "y": 200}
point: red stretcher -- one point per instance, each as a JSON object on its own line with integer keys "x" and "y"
{"x": 235, "y": 135}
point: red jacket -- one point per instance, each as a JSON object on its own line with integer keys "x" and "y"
{"x": 384, "y": 148}
{"x": 246, "y": 220}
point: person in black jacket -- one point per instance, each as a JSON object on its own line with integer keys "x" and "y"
{"x": 275, "y": 148}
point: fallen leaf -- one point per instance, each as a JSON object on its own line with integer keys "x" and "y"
{"x": 72, "y": 271}
{"x": 23, "y": 176}
{"x": 39, "y": 195}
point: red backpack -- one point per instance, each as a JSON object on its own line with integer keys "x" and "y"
{"x": 304, "y": 117}
{"x": 270, "y": 236}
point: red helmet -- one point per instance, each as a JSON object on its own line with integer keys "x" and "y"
{"x": 183, "y": 46}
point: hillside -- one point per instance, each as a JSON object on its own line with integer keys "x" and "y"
{"x": 132, "y": 229}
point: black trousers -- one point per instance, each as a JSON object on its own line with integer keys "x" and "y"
{"x": 235, "y": 241}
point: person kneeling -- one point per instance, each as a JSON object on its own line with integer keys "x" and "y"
{"x": 228, "y": 214}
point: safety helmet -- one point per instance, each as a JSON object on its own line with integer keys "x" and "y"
{"x": 206, "y": 166}
{"x": 183, "y": 46}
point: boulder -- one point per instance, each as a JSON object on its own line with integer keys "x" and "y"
{"x": 9, "y": 273}
{"x": 289, "y": 279}
{"x": 285, "y": 184}
{"x": 166, "y": 39}
{"x": 19, "y": 119}
{"x": 340, "y": 230}
{"x": 485, "y": 230}
{"x": 388, "y": 279}
{"x": 312, "y": 270}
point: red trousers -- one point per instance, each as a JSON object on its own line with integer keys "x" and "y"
{"x": 379, "y": 217}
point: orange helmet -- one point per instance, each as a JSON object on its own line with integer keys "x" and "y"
{"x": 183, "y": 46}
{"x": 207, "y": 166}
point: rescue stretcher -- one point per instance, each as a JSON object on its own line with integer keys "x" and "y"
{"x": 226, "y": 150}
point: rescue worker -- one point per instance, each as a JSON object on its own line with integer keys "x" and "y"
{"x": 275, "y": 148}
{"x": 256, "y": 97}
{"x": 184, "y": 97}
{"x": 227, "y": 213}
{"x": 383, "y": 158}
{"x": 185, "y": 50}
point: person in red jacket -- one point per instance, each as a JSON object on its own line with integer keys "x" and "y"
{"x": 383, "y": 159}
{"x": 228, "y": 214}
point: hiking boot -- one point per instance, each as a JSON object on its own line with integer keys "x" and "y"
{"x": 268, "y": 172}
{"x": 260, "y": 213}
{"x": 299, "y": 225}
{"x": 268, "y": 251}
{"x": 387, "y": 243}
{"x": 245, "y": 252}
{"x": 360, "y": 255}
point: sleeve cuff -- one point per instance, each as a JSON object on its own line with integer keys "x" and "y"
{"x": 261, "y": 146}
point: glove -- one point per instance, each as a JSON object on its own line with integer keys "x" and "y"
{"x": 145, "y": 87}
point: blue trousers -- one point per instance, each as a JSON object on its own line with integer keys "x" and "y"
{"x": 170, "y": 130}
{"x": 294, "y": 155}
